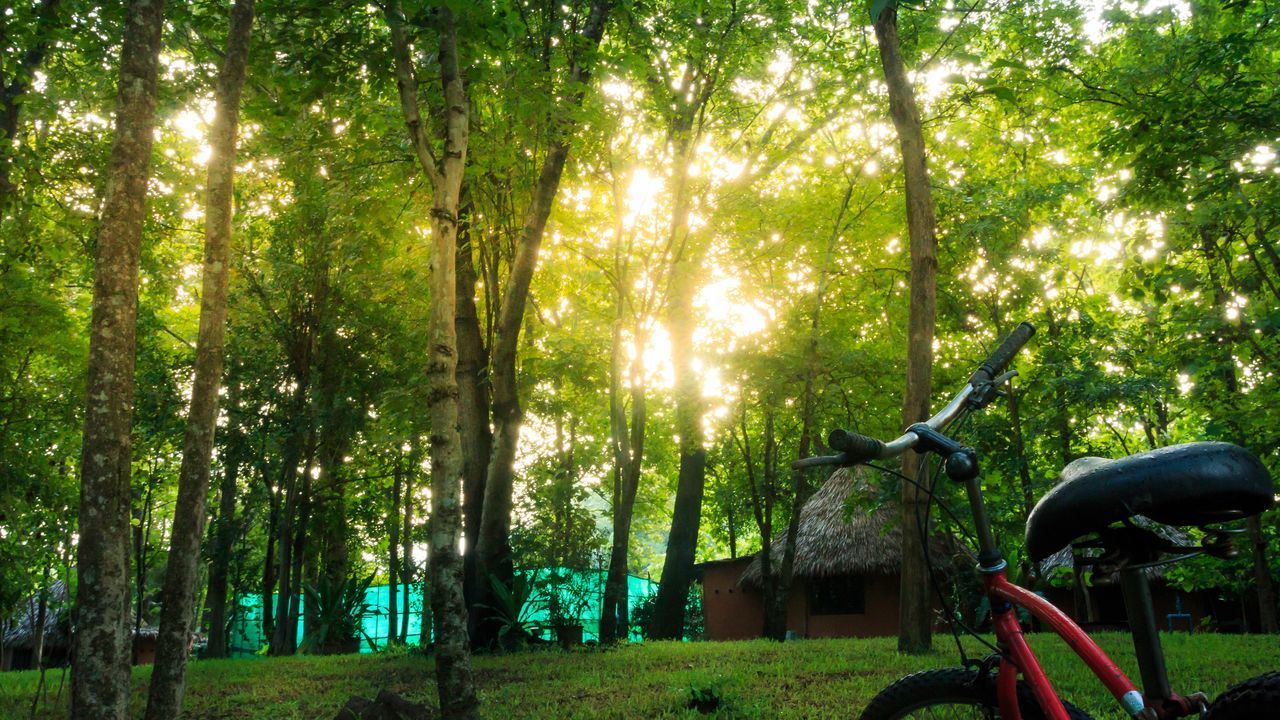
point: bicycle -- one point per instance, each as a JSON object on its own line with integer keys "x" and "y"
{"x": 1093, "y": 505}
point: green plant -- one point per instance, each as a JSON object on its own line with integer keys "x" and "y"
{"x": 706, "y": 699}
{"x": 339, "y": 609}
{"x": 512, "y": 610}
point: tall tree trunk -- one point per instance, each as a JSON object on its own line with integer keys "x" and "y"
{"x": 168, "y": 678}
{"x": 100, "y": 647}
{"x": 269, "y": 565}
{"x": 406, "y": 553}
{"x": 42, "y": 610}
{"x": 494, "y": 543}
{"x": 288, "y": 488}
{"x": 1265, "y": 586}
{"x": 473, "y": 408}
{"x": 454, "y": 679}
{"x": 303, "y": 555}
{"x": 14, "y": 88}
{"x": 914, "y": 610}
{"x": 223, "y": 545}
{"x": 141, "y": 545}
{"x": 627, "y": 440}
{"x": 1262, "y": 577}
{"x": 393, "y": 559}
{"x": 677, "y": 570}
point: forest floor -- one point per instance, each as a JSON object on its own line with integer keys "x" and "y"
{"x": 757, "y": 679}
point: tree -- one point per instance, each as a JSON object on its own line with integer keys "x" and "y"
{"x": 168, "y": 678}
{"x": 493, "y": 545}
{"x": 15, "y": 82}
{"x": 453, "y": 662}
{"x": 100, "y": 681}
{"x": 914, "y": 617}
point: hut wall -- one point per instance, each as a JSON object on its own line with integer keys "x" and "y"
{"x": 730, "y": 611}
{"x": 1108, "y": 605}
{"x": 880, "y": 616}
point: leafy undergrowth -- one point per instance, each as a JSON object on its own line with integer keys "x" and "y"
{"x": 758, "y": 679}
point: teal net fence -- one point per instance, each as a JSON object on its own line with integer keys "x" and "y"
{"x": 580, "y": 593}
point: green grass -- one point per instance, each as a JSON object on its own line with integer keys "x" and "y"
{"x": 758, "y": 679}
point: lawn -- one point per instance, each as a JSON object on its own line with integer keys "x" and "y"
{"x": 758, "y": 679}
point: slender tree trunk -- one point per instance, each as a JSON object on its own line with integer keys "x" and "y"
{"x": 269, "y": 567}
{"x": 290, "y": 457}
{"x": 100, "y": 647}
{"x": 393, "y": 559}
{"x": 1265, "y": 586}
{"x": 406, "y": 553}
{"x": 473, "y": 409}
{"x": 223, "y": 545}
{"x": 494, "y": 543}
{"x": 677, "y": 569}
{"x": 42, "y": 610}
{"x": 914, "y": 615}
{"x": 168, "y": 678}
{"x": 628, "y": 456}
{"x": 141, "y": 544}
{"x": 454, "y": 678}
{"x": 303, "y": 556}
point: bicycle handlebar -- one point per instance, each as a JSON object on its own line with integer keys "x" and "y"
{"x": 1000, "y": 359}
{"x": 854, "y": 448}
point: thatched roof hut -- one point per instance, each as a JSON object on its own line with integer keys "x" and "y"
{"x": 57, "y": 625}
{"x": 1064, "y": 559}
{"x": 830, "y": 541}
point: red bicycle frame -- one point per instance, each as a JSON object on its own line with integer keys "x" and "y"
{"x": 1019, "y": 659}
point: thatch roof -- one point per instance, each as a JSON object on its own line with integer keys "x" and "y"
{"x": 56, "y": 623}
{"x": 830, "y": 541}
{"x": 1065, "y": 558}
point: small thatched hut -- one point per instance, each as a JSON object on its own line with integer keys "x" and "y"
{"x": 20, "y": 636}
{"x": 844, "y": 580}
{"x": 1098, "y": 603}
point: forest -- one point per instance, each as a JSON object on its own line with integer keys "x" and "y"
{"x": 466, "y": 300}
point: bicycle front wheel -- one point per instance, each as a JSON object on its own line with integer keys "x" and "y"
{"x": 952, "y": 694}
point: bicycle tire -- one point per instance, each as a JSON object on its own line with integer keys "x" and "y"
{"x": 1257, "y": 697}
{"x": 955, "y": 688}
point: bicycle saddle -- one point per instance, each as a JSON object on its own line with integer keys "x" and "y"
{"x": 1191, "y": 484}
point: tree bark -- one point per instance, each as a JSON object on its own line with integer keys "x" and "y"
{"x": 168, "y": 677}
{"x": 100, "y": 647}
{"x": 42, "y": 610}
{"x": 473, "y": 409}
{"x": 677, "y": 569}
{"x": 914, "y": 612}
{"x": 1265, "y": 586}
{"x": 294, "y": 444}
{"x": 494, "y": 544}
{"x": 141, "y": 545}
{"x": 454, "y": 679}
{"x": 223, "y": 545}
{"x": 406, "y": 553}
{"x": 393, "y": 559}
{"x": 627, "y": 441}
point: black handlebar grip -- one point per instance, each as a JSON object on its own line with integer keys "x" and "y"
{"x": 857, "y": 447}
{"x": 1000, "y": 359}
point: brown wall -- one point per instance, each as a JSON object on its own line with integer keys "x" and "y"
{"x": 880, "y": 618}
{"x": 731, "y": 612}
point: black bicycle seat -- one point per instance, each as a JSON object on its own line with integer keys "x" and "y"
{"x": 1191, "y": 484}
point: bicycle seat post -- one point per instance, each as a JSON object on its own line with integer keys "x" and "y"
{"x": 1136, "y": 590}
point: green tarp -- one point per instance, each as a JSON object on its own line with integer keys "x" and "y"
{"x": 582, "y": 588}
